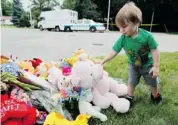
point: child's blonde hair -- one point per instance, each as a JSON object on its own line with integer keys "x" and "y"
{"x": 128, "y": 13}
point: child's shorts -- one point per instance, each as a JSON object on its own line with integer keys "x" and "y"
{"x": 135, "y": 74}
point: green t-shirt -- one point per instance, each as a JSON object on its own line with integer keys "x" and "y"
{"x": 137, "y": 49}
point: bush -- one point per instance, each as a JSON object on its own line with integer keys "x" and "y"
{"x": 24, "y": 21}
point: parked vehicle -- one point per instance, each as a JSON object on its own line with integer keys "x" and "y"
{"x": 67, "y": 20}
{"x": 85, "y": 25}
{"x": 56, "y": 19}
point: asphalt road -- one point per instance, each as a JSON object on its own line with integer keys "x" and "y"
{"x": 30, "y": 43}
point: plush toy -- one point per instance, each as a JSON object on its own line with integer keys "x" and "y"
{"x": 66, "y": 70}
{"x": 80, "y": 55}
{"x": 104, "y": 89}
{"x": 27, "y": 66}
{"x": 59, "y": 78}
{"x": 74, "y": 58}
{"x": 64, "y": 81}
{"x": 14, "y": 112}
{"x": 54, "y": 76}
{"x": 4, "y": 59}
{"x": 78, "y": 52}
{"x": 42, "y": 69}
{"x": 57, "y": 119}
{"x": 80, "y": 92}
{"x": 35, "y": 62}
{"x": 62, "y": 62}
{"x": 82, "y": 76}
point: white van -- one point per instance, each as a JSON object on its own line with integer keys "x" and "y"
{"x": 56, "y": 19}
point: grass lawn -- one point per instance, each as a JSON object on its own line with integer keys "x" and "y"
{"x": 144, "y": 112}
{"x": 8, "y": 26}
{"x": 12, "y": 26}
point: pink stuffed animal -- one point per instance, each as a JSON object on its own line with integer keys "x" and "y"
{"x": 81, "y": 76}
{"x": 105, "y": 90}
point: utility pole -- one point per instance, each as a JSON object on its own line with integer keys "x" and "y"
{"x": 1, "y": 11}
{"x": 109, "y": 2}
{"x": 30, "y": 14}
{"x": 152, "y": 18}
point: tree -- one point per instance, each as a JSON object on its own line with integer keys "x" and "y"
{"x": 41, "y": 4}
{"x": 24, "y": 20}
{"x": 116, "y": 6}
{"x": 69, "y": 4}
{"x": 6, "y": 8}
{"x": 102, "y": 7}
{"x": 86, "y": 9}
{"x": 16, "y": 11}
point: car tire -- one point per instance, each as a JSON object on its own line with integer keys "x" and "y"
{"x": 41, "y": 28}
{"x": 92, "y": 29}
{"x": 57, "y": 29}
{"x": 67, "y": 29}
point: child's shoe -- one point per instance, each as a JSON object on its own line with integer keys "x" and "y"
{"x": 157, "y": 99}
{"x": 130, "y": 99}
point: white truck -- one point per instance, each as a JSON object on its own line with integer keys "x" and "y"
{"x": 67, "y": 20}
{"x": 56, "y": 19}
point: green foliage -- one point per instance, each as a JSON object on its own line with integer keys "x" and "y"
{"x": 116, "y": 6}
{"x": 86, "y": 9}
{"x": 41, "y": 4}
{"x": 69, "y": 4}
{"x": 143, "y": 111}
{"x": 17, "y": 11}
{"x": 24, "y": 20}
{"x": 6, "y": 8}
{"x": 35, "y": 13}
{"x": 103, "y": 7}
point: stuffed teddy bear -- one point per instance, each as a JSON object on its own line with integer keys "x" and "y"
{"x": 41, "y": 70}
{"x": 104, "y": 89}
{"x": 27, "y": 66}
{"x": 59, "y": 78}
{"x": 84, "y": 97}
{"x": 54, "y": 76}
{"x": 81, "y": 76}
{"x": 4, "y": 59}
{"x": 76, "y": 56}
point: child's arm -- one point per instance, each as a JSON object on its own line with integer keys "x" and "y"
{"x": 110, "y": 56}
{"x": 156, "y": 56}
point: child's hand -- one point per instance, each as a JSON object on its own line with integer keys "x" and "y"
{"x": 155, "y": 71}
{"x": 98, "y": 61}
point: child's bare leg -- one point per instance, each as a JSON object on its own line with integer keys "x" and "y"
{"x": 130, "y": 90}
{"x": 130, "y": 94}
{"x": 155, "y": 95}
{"x": 154, "y": 91}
